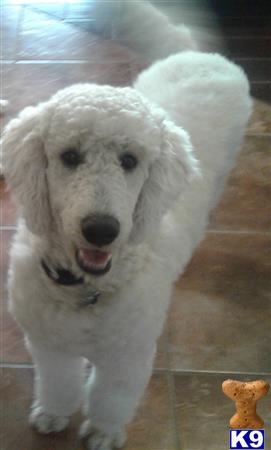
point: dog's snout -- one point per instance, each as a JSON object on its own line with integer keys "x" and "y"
{"x": 100, "y": 229}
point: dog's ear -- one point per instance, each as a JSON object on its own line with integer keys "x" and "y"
{"x": 24, "y": 167}
{"x": 170, "y": 172}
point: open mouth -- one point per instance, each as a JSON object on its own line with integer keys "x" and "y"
{"x": 94, "y": 262}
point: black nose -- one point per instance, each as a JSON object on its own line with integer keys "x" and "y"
{"x": 100, "y": 230}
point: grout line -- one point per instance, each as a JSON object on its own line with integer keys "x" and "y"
{"x": 169, "y": 372}
{"x": 2, "y": 343}
{"x": 66, "y": 11}
{"x": 239, "y": 232}
{"x": 247, "y": 36}
{"x": 171, "y": 389}
{"x": 260, "y": 82}
{"x": 254, "y": 58}
{"x": 7, "y": 61}
{"x": 16, "y": 365}
{"x": 35, "y": 9}
{"x": 52, "y": 61}
{"x": 1, "y": 208}
{"x": 210, "y": 372}
{"x": 72, "y": 61}
{"x": 78, "y": 20}
{"x": 260, "y": 135}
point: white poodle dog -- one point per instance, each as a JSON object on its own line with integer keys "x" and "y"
{"x": 115, "y": 186}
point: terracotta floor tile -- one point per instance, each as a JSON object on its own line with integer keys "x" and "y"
{"x": 29, "y": 83}
{"x": 10, "y": 17}
{"x": 58, "y": 10}
{"x": 12, "y": 341}
{"x": 8, "y": 214}
{"x": 6, "y": 237}
{"x": 16, "y": 395}
{"x": 260, "y": 121}
{"x": 161, "y": 360}
{"x": 43, "y": 37}
{"x": 246, "y": 203}
{"x": 221, "y": 311}
{"x": 203, "y": 411}
{"x": 151, "y": 428}
{"x": 14, "y": 350}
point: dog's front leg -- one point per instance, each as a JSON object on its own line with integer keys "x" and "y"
{"x": 114, "y": 389}
{"x": 58, "y": 388}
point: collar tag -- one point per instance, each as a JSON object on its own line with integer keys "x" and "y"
{"x": 67, "y": 278}
{"x": 91, "y": 299}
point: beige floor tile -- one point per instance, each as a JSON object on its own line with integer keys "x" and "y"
{"x": 203, "y": 411}
{"x": 221, "y": 311}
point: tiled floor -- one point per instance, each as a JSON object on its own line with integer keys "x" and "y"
{"x": 219, "y": 322}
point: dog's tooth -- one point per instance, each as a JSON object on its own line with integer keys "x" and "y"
{"x": 94, "y": 266}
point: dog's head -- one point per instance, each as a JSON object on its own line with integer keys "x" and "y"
{"x": 99, "y": 166}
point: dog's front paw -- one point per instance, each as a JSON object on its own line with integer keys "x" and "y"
{"x": 47, "y": 423}
{"x": 98, "y": 440}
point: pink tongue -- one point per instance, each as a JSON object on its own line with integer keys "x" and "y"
{"x": 94, "y": 256}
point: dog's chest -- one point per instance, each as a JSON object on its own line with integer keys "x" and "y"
{"x": 69, "y": 319}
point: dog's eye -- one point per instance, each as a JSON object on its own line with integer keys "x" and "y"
{"x": 128, "y": 161}
{"x": 71, "y": 157}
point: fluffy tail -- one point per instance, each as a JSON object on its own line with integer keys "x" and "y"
{"x": 142, "y": 27}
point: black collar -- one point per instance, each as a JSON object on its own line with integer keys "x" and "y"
{"x": 66, "y": 278}
{"x": 61, "y": 276}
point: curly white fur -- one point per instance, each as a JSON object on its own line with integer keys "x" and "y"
{"x": 190, "y": 100}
